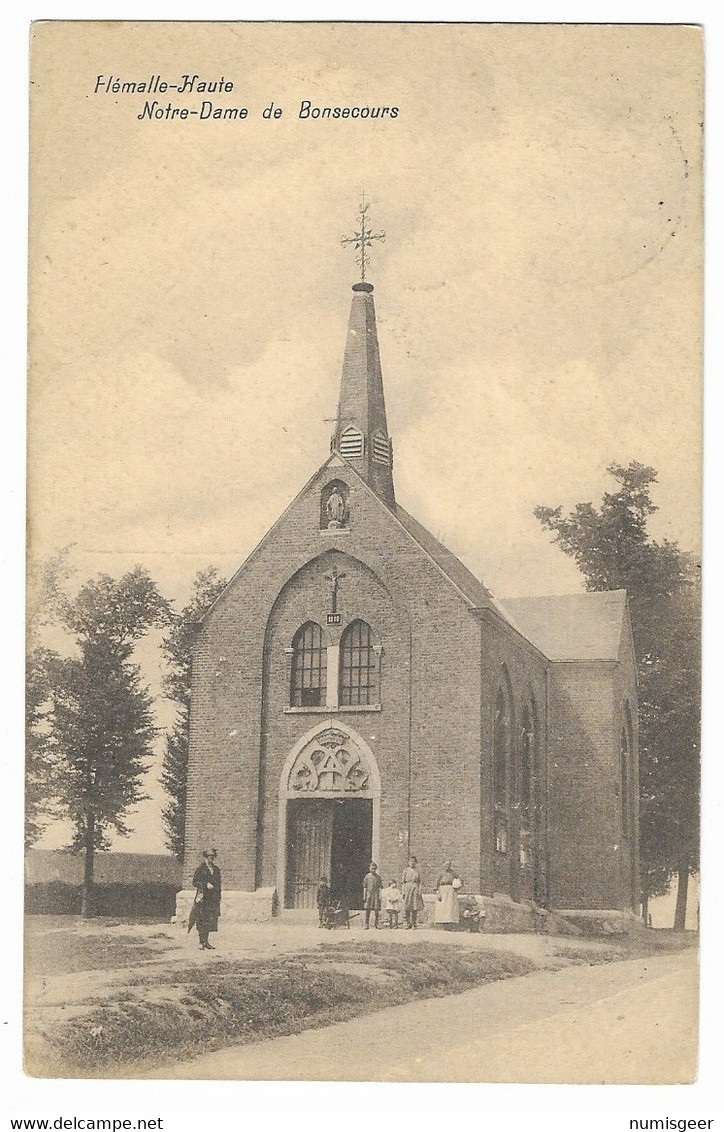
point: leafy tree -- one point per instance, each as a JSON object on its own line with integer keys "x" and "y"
{"x": 178, "y": 648}
{"x": 101, "y": 722}
{"x": 40, "y": 761}
{"x": 613, "y": 550}
{"x": 46, "y": 579}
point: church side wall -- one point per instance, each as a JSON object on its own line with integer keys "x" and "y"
{"x": 584, "y": 795}
{"x": 445, "y": 731}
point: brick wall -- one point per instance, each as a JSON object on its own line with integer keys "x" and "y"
{"x": 583, "y": 786}
{"x": 441, "y": 667}
{"x": 429, "y": 725}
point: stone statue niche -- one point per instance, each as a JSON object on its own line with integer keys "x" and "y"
{"x": 334, "y": 514}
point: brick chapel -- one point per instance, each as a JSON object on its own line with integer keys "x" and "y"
{"x": 359, "y": 695}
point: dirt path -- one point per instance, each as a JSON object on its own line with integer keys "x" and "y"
{"x": 630, "y": 1022}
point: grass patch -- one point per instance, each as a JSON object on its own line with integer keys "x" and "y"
{"x": 618, "y": 949}
{"x": 178, "y": 1016}
{"x": 71, "y": 952}
{"x": 593, "y": 957}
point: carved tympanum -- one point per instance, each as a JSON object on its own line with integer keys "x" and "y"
{"x": 329, "y": 764}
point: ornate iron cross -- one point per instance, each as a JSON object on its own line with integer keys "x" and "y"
{"x": 334, "y": 577}
{"x": 363, "y": 237}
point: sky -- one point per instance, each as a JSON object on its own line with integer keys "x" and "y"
{"x": 538, "y": 293}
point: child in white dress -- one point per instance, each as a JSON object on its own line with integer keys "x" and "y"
{"x": 392, "y": 902}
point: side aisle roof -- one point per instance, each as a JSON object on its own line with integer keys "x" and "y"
{"x": 586, "y": 626}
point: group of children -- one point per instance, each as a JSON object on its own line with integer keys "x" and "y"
{"x": 375, "y": 899}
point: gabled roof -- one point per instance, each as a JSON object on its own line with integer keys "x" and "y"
{"x": 584, "y": 626}
{"x": 466, "y": 581}
{"x": 571, "y": 627}
{"x": 451, "y": 567}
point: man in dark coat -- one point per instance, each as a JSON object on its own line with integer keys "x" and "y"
{"x": 207, "y": 902}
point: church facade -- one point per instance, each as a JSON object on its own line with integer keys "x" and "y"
{"x": 359, "y": 695}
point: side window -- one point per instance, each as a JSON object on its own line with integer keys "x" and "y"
{"x": 309, "y": 667}
{"x": 625, "y": 783}
{"x": 527, "y": 763}
{"x": 359, "y": 669}
{"x": 501, "y": 762}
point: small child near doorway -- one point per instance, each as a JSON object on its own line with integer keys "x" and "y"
{"x": 324, "y": 899}
{"x": 392, "y": 902}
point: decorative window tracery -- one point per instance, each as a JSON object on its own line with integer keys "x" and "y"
{"x": 359, "y": 667}
{"x": 309, "y": 667}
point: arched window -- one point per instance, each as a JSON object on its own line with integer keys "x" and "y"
{"x": 527, "y": 773}
{"x": 359, "y": 671}
{"x": 501, "y": 762}
{"x": 309, "y": 667}
{"x": 625, "y": 784}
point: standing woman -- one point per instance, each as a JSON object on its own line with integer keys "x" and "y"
{"x": 412, "y": 892}
{"x": 447, "y": 908}
{"x": 207, "y": 902}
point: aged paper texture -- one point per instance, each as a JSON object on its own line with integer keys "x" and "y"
{"x": 290, "y": 286}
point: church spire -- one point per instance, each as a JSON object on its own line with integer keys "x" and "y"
{"x": 361, "y": 434}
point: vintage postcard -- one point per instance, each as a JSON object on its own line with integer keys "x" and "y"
{"x": 364, "y": 475}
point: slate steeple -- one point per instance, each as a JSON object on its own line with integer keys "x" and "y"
{"x": 360, "y": 433}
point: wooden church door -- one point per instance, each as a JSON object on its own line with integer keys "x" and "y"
{"x": 310, "y": 822}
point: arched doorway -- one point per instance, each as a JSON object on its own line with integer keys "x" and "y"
{"x": 329, "y": 797}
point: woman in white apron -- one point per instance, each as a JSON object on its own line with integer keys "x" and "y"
{"x": 447, "y": 905}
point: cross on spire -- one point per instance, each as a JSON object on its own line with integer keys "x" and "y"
{"x": 363, "y": 237}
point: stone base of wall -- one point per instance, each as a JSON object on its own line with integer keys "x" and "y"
{"x": 499, "y": 914}
{"x": 601, "y": 921}
{"x": 236, "y": 907}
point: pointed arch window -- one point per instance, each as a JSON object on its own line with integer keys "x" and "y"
{"x": 501, "y": 762}
{"x": 625, "y": 783}
{"x": 359, "y": 669}
{"x": 309, "y": 667}
{"x": 526, "y": 788}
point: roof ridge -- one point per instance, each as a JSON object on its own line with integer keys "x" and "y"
{"x": 569, "y": 594}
